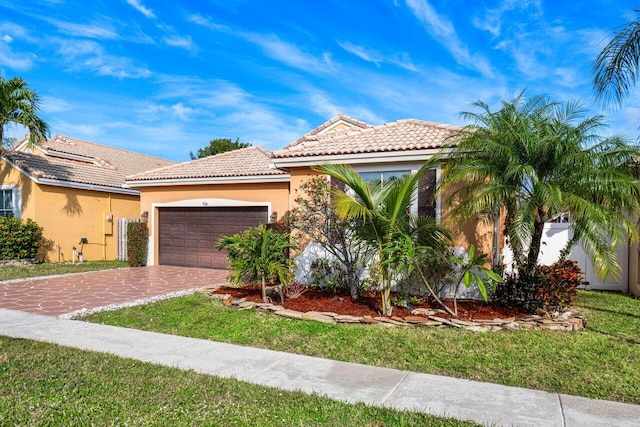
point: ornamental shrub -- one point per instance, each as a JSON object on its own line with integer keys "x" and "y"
{"x": 19, "y": 239}
{"x": 137, "y": 243}
{"x": 550, "y": 289}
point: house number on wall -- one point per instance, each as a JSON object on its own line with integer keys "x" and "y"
{"x": 205, "y": 203}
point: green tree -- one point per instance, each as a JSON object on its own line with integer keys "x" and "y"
{"x": 615, "y": 70}
{"x": 384, "y": 210}
{"x": 259, "y": 254}
{"x": 534, "y": 159}
{"x": 219, "y": 145}
{"x": 19, "y": 104}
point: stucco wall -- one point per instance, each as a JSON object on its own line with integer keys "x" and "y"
{"x": 67, "y": 214}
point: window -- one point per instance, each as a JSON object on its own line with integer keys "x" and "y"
{"x": 426, "y": 203}
{"x": 9, "y": 202}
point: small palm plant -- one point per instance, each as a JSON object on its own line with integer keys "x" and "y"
{"x": 259, "y": 254}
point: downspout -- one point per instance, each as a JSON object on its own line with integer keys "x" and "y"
{"x": 104, "y": 236}
{"x": 496, "y": 238}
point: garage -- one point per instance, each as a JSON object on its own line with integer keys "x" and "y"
{"x": 188, "y": 235}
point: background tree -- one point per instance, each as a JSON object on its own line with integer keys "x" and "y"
{"x": 534, "y": 159}
{"x": 219, "y": 145}
{"x": 616, "y": 68}
{"x": 19, "y": 104}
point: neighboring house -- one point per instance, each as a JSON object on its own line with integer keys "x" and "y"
{"x": 192, "y": 204}
{"x": 74, "y": 190}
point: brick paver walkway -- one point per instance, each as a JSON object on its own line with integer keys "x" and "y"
{"x": 63, "y": 295}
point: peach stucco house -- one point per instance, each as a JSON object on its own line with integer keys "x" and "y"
{"x": 192, "y": 204}
{"x": 74, "y": 190}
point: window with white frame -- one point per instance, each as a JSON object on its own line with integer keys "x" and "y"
{"x": 426, "y": 200}
{"x": 9, "y": 202}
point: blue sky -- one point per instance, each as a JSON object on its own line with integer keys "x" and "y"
{"x": 164, "y": 78}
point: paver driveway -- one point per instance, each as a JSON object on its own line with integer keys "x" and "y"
{"x": 64, "y": 295}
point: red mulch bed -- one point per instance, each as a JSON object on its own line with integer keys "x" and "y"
{"x": 369, "y": 304}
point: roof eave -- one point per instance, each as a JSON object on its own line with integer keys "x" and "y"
{"x": 253, "y": 179}
{"x": 71, "y": 184}
{"x": 359, "y": 158}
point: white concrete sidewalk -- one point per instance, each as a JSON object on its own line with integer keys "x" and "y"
{"x": 485, "y": 403}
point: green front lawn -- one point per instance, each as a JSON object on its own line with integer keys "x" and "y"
{"x": 45, "y": 384}
{"x": 48, "y": 269}
{"x": 600, "y": 362}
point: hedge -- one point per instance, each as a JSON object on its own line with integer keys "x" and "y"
{"x": 137, "y": 243}
{"x": 19, "y": 239}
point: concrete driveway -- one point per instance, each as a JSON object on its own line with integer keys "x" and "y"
{"x": 72, "y": 294}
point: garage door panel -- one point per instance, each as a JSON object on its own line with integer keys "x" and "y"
{"x": 188, "y": 236}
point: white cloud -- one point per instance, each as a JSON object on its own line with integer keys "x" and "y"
{"x": 184, "y": 42}
{"x": 137, "y": 4}
{"x": 285, "y": 52}
{"x": 89, "y": 55}
{"x": 7, "y": 38}
{"x": 443, "y": 31}
{"x": 196, "y": 18}
{"x": 94, "y": 30}
{"x": 14, "y": 60}
{"x": 368, "y": 55}
{"x": 55, "y": 105}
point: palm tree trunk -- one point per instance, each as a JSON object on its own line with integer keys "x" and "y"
{"x": 534, "y": 248}
{"x": 264, "y": 288}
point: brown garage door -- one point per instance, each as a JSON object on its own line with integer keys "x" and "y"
{"x": 188, "y": 236}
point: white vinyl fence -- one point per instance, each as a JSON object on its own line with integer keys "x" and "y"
{"x": 122, "y": 237}
{"x": 555, "y": 237}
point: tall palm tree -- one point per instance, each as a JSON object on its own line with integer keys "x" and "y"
{"x": 384, "y": 210}
{"x": 616, "y": 68}
{"x": 534, "y": 159}
{"x": 19, "y": 104}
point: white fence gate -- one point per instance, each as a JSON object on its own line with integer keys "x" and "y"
{"x": 122, "y": 237}
{"x": 556, "y": 236}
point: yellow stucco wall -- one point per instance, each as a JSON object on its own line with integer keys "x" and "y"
{"x": 276, "y": 193}
{"x": 67, "y": 214}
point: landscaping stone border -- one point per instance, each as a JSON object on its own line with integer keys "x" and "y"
{"x": 567, "y": 321}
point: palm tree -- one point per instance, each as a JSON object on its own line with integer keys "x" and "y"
{"x": 534, "y": 159}
{"x": 616, "y": 68}
{"x": 384, "y": 210}
{"x": 259, "y": 254}
{"x": 19, "y": 104}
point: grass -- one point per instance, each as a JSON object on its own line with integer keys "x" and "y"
{"x": 45, "y": 384}
{"x": 48, "y": 269}
{"x": 600, "y": 362}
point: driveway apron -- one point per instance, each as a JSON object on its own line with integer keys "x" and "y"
{"x": 71, "y": 294}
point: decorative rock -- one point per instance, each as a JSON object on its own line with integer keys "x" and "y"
{"x": 445, "y": 321}
{"x": 318, "y": 317}
{"x": 512, "y": 326}
{"x": 345, "y": 318}
{"x": 567, "y": 321}
{"x": 423, "y": 312}
{"x": 291, "y": 314}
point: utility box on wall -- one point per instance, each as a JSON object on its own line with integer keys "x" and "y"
{"x": 107, "y": 223}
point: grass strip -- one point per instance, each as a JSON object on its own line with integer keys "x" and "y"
{"x": 45, "y": 384}
{"x": 48, "y": 269}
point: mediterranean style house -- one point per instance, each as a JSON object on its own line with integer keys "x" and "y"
{"x": 190, "y": 205}
{"x": 74, "y": 190}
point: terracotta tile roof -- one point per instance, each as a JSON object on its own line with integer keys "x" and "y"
{"x": 126, "y": 162}
{"x": 245, "y": 162}
{"x": 326, "y": 128}
{"x": 402, "y": 135}
{"x": 92, "y": 164}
